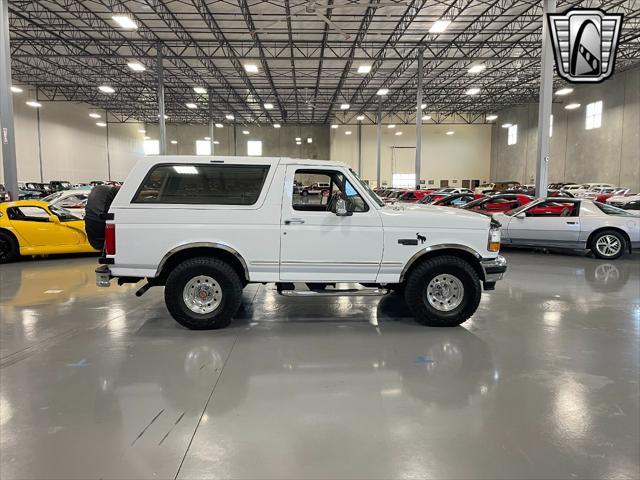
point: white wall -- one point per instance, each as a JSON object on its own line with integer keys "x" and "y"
{"x": 465, "y": 155}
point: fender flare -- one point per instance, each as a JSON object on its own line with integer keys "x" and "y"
{"x": 212, "y": 245}
{"x": 433, "y": 248}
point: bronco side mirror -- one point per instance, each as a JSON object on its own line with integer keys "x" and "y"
{"x": 342, "y": 208}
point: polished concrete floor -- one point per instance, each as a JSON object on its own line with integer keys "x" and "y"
{"x": 541, "y": 383}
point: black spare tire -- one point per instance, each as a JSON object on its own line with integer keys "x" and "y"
{"x": 95, "y": 217}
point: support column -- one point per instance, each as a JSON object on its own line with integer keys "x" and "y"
{"x": 106, "y": 119}
{"x": 7, "y": 129}
{"x": 39, "y": 145}
{"x": 379, "y": 143}
{"x": 161, "y": 112}
{"x": 419, "y": 117}
{"x": 360, "y": 149}
{"x": 211, "y": 121}
{"x": 544, "y": 106}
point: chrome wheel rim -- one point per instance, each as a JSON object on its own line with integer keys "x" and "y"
{"x": 202, "y": 294}
{"x": 444, "y": 292}
{"x": 608, "y": 245}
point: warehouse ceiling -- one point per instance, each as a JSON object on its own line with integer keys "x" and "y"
{"x": 307, "y": 55}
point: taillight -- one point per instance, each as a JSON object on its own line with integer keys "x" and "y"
{"x": 110, "y": 239}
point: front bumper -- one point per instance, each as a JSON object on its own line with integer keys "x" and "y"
{"x": 103, "y": 276}
{"x": 494, "y": 268}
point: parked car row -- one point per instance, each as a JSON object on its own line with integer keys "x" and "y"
{"x": 38, "y": 190}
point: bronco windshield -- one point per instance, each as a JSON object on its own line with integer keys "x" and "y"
{"x": 371, "y": 193}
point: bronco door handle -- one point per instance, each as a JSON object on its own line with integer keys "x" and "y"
{"x": 292, "y": 221}
{"x": 571, "y": 223}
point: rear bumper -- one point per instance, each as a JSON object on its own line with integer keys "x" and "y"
{"x": 494, "y": 268}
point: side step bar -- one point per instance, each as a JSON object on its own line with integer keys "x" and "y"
{"x": 350, "y": 292}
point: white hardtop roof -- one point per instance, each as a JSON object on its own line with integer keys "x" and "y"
{"x": 239, "y": 160}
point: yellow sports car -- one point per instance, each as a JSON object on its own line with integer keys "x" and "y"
{"x": 32, "y": 227}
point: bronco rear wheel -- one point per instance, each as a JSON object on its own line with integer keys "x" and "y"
{"x": 443, "y": 291}
{"x": 203, "y": 293}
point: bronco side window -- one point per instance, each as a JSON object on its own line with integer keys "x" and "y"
{"x": 203, "y": 184}
{"x": 314, "y": 191}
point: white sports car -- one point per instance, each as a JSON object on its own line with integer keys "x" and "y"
{"x": 571, "y": 223}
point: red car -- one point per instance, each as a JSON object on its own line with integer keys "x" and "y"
{"x": 498, "y": 203}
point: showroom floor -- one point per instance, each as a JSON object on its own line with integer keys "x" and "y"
{"x": 541, "y": 383}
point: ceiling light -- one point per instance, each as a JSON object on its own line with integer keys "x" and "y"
{"x": 491, "y": 118}
{"x": 142, "y": 130}
{"x": 191, "y": 105}
{"x": 95, "y": 115}
{"x": 334, "y": 126}
{"x": 348, "y": 132}
{"x": 391, "y": 126}
{"x": 572, "y": 106}
{"x": 147, "y": 138}
{"x": 34, "y": 104}
{"x": 268, "y": 106}
{"x": 309, "y": 140}
{"x": 125, "y": 22}
{"x": 450, "y": 132}
{"x": 398, "y": 133}
{"x": 251, "y": 68}
{"x": 219, "y": 125}
{"x": 229, "y": 116}
{"x": 423, "y": 106}
{"x": 174, "y": 142}
{"x": 382, "y": 91}
{"x": 216, "y": 142}
{"x": 207, "y": 138}
{"x": 439, "y": 26}
{"x": 364, "y": 69}
{"x": 106, "y": 89}
{"x": 360, "y": 118}
{"x": 564, "y": 91}
{"x": 477, "y": 68}
{"x": 344, "y": 106}
{"x": 298, "y": 139}
{"x": 200, "y": 90}
{"x": 101, "y": 124}
{"x": 165, "y": 117}
{"x": 276, "y": 125}
{"x": 426, "y": 117}
{"x": 16, "y": 89}
{"x": 473, "y": 91}
{"x": 136, "y": 66}
{"x": 245, "y": 132}
{"x": 506, "y": 125}
{"x": 298, "y": 143}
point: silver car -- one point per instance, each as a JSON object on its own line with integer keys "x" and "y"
{"x": 571, "y": 223}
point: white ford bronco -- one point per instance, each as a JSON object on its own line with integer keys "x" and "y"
{"x": 205, "y": 227}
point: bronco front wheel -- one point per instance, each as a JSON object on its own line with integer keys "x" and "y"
{"x": 443, "y": 291}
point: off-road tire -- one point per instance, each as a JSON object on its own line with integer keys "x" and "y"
{"x": 594, "y": 244}
{"x": 222, "y": 273}
{"x": 422, "y": 274}
{"x": 9, "y": 249}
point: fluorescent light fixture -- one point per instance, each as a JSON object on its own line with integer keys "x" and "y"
{"x": 216, "y": 142}
{"x": 364, "y": 69}
{"x": 344, "y": 106}
{"x": 95, "y": 115}
{"x": 423, "y": 106}
{"x": 174, "y": 142}
{"x": 165, "y": 117}
{"x": 426, "y": 117}
{"x": 219, "y": 125}
{"x": 142, "y": 130}
{"x": 229, "y": 116}
{"x": 298, "y": 143}
{"x": 476, "y": 68}
{"x": 564, "y": 91}
{"x": 506, "y": 125}
{"x": 186, "y": 169}
{"x": 360, "y": 118}
{"x": 207, "y": 138}
{"x": 136, "y": 66}
{"x": 348, "y": 132}
{"x": 101, "y": 124}
{"x": 439, "y": 26}
{"x": 309, "y": 140}
{"x": 391, "y": 126}
{"x": 147, "y": 138}
{"x": 16, "y": 89}
{"x": 473, "y": 91}
{"x": 200, "y": 90}
{"x": 34, "y": 104}
{"x": 251, "y": 68}
{"x": 268, "y": 106}
{"x": 245, "y": 132}
{"x": 572, "y": 106}
{"x": 192, "y": 106}
{"x": 106, "y": 89}
{"x": 491, "y": 118}
{"x": 450, "y": 132}
{"x": 382, "y": 91}
{"x": 276, "y": 125}
{"x": 334, "y": 126}
{"x": 298, "y": 139}
{"x": 125, "y": 22}
{"x": 398, "y": 133}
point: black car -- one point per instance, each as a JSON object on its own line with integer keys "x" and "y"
{"x": 455, "y": 200}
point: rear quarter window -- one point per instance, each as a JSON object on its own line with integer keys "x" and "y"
{"x": 197, "y": 184}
